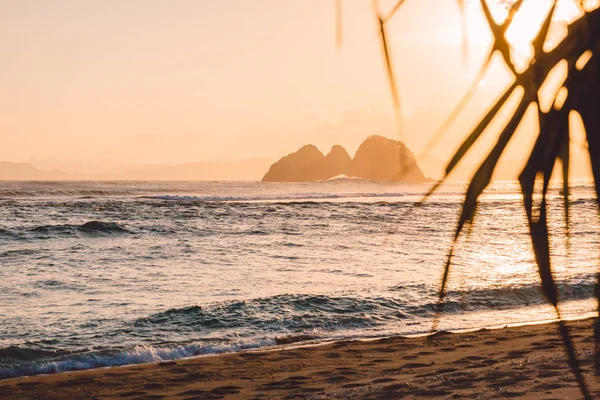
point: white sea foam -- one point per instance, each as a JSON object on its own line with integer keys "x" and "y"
{"x": 137, "y": 355}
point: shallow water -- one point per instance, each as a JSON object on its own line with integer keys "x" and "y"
{"x": 97, "y": 274}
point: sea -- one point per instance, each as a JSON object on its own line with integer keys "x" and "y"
{"x": 97, "y": 274}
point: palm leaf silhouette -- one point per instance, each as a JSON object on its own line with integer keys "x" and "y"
{"x": 552, "y": 142}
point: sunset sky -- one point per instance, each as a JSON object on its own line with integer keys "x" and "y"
{"x": 148, "y": 81}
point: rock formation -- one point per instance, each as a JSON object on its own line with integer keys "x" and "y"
{"x": 305, "y": 165}
{"x": 382, "y": 159}
{"x": 337, "y": 162}
{"x": 377, "y": 158}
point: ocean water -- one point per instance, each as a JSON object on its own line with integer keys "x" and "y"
{"x": 96, "y": 274}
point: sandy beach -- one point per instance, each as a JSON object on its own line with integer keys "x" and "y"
{"x": 515, "y": 362}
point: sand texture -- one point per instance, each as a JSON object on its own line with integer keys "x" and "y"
{"x": 520, "y": 362}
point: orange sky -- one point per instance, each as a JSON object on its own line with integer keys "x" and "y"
{"x": 186, "y": 80}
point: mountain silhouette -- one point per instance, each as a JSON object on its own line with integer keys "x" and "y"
{"x": 249, "y": 169}
{"x": 377, "y": 158}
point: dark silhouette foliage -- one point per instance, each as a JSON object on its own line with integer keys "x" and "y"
{"x": 582, "y": 86}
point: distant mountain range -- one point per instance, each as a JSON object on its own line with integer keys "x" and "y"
{"x": 249, "y": 169}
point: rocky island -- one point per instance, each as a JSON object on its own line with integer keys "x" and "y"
{"x": 377, "y": 158}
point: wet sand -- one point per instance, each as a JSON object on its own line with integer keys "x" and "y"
{"x": 526, "y": 361}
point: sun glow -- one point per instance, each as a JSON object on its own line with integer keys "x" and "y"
{"x": 528, "y": 21}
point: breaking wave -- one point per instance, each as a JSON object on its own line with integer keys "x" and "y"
{"x": 91, "y": 227}
{"x": 102, "y": 227}
{"x": 44, "y": 364}
{"x": 275, "y": 320}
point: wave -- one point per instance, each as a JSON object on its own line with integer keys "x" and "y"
{"x": 288, "y": 312}
{"x": 189, "y": 198}
{"x": 275, "y": 320}
{"x": 90, "y": 227}
{"x": 17, "y": 253}
{"x": 53, "y": 284}
{"x": 24, "y": 354}
{"x": 56, "y": 229}
{"x": 5, "y": 233}
{"x": 102, "y": 227}
{"x": 173, "y": 190}
{"x": 342, "y": 177}
{"x": 98, "y": 359}
{"x": 91, "y": 190}
{"x": 293, "y": 197}
{"x": 324, "y": 196}
{"x": 75, "y": 193}
{"x": 495, "y": 298}
{"x": 299, "y": 314}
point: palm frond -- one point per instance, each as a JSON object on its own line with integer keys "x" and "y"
{"x": 394, "y": 10}
{"x": 552, "y": 142}
{"x": 388, "y": 59}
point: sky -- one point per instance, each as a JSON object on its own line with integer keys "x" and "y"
{"x": 155, "y": 81}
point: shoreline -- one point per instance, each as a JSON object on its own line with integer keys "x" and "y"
{"x": 290, "y": 342}
{"x": 505, "y": 362}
